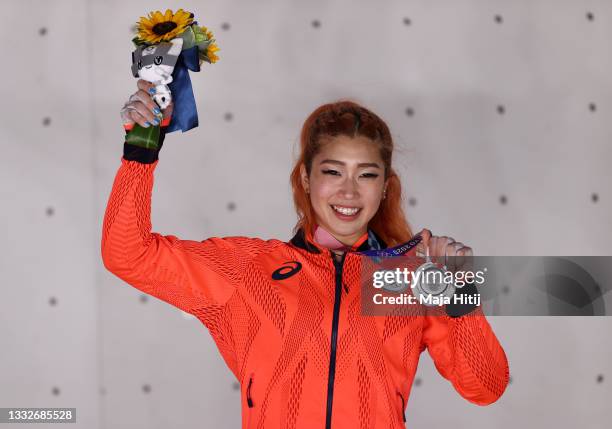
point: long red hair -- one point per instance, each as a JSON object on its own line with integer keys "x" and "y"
{"x": 346, "y": 117}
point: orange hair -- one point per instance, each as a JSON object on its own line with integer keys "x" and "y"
{"x": 345, "y": 117}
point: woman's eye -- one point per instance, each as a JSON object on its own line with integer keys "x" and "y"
{"x": 332, "y": 172}
{"x": 370, "y": 175}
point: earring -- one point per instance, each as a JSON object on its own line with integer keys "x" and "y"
{"x": 384, "y": 194}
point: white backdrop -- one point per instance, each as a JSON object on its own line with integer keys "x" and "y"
{"x": 501, "y": 111}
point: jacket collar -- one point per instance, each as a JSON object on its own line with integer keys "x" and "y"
{"x": 307, "y": 243}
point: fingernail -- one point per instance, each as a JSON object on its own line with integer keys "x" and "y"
{"x": 152, "y": 90}
{"x": 155, "y": 122}
{"x": 156, "y": 110}
{"x": 147, "y": 124}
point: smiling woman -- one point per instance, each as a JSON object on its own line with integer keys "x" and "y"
{"x": 343, "y": 180}
{"x": 344, "y": 190}
{"x": 285, "y": 315}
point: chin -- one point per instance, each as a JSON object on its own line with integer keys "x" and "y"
{"x": 344, "y": 229}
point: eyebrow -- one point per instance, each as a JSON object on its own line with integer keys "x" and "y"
{"x": 363, "y": 164}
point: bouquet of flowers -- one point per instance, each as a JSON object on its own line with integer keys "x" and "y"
{"x": 168, "y": 46}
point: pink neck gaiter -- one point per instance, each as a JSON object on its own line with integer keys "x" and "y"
{"x": 327, "y": 240}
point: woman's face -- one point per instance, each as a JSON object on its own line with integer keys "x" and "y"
{"x": 346, "y": 185}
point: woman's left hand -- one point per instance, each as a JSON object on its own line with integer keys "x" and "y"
{"x": 443, "y": 250}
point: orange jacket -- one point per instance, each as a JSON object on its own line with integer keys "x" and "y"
{"x": 286, "y": 319}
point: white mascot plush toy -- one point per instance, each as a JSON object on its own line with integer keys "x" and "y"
{"x": 155, "y": 64}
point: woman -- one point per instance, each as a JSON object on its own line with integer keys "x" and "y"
{"x": 286, "y": 315}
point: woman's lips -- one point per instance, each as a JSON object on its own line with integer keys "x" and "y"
{"x": 346, "y": 213}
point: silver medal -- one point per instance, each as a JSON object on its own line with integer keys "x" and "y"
{"x": 429, "y": 281}
{"x": 396, "y": 287}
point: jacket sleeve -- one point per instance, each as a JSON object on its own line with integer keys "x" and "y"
{"x": 198, "y": 277}
{"x": 466, "y": 352}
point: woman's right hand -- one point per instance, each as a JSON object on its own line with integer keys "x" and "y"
{"x": 141, "y": 109}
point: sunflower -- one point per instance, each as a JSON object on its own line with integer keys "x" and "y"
{"x": 212, "y": 47}
{"x": 208, "y": 47}
{"x": 207, "y": 32}
{"x": 210, "y": 52}
{"x": 158, "y": 28}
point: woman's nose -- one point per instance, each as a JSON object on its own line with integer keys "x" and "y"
{"x": 349, "y": 189}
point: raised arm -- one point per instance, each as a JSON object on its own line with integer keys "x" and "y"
{"x": 198, "y": 277}
{"x": 188, "y": 274}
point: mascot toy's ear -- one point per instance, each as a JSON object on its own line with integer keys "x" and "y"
{"x": 175, "y": 49}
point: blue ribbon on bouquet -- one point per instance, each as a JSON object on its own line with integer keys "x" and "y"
{"x": 185, "y": 114}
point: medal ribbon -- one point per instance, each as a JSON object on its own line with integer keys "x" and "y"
{"x": 398, "y": 250}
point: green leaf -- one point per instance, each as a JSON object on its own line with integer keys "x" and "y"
{"x": 138, "y": 42}
{"x": 189, "y": 38}
{"x": 204, "y": 45}
{"x": 199, "y": 34}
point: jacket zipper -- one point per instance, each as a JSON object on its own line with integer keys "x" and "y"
{"x": 248, "y": 392}
{"x": 403, "y": 405}
{"x": 249, "y": 400}
{"x": 334, "y": 337}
